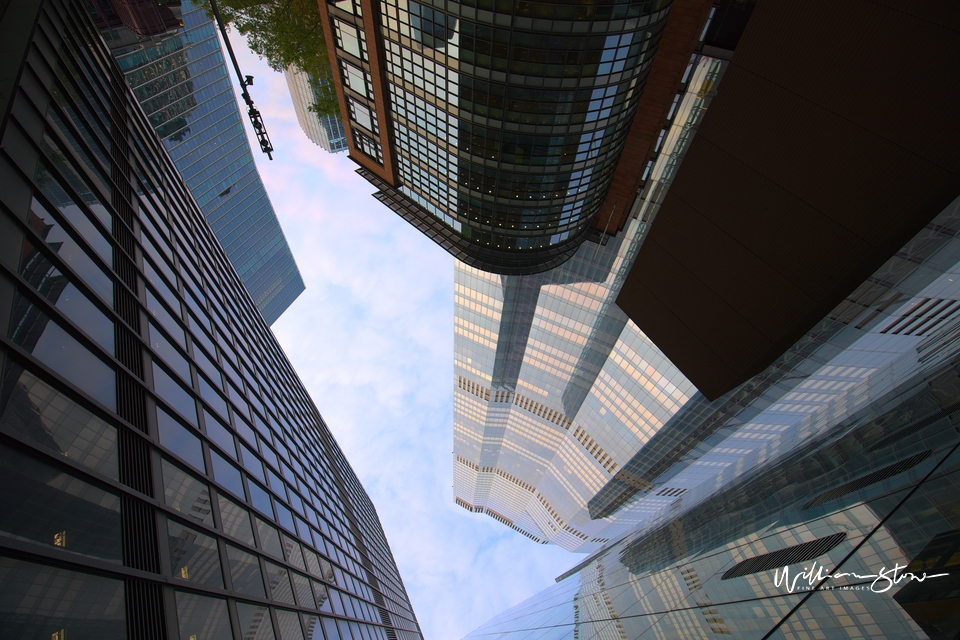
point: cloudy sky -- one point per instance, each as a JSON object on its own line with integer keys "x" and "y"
{"x": 372, "y": 340}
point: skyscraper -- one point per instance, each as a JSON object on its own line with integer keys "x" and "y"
{"x": 866, "y": 500}
{"x": 324, "y": 131}
{"x": 181, "y": 80}
{"x": 556, "y": 389}
{"x": 164, "y": 472}
{"x": 498, "y": 128}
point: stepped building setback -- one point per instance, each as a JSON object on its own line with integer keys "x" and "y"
{"x": 165, "y": 474}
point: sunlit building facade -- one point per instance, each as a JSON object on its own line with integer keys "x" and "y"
{"x": 181, "y": 80}
{"x": 165, "y": 474}
{"x": 556, "y": 389}
{"x": 497, "y": 128}
{"x": 816, "y": 544}
{"x": 325, "y": 131}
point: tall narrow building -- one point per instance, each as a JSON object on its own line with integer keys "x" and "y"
{"x": 180, "y": 77}
{"x": 165, "y": 474}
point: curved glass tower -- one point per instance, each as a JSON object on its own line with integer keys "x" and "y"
{"x": 494, "y": 127}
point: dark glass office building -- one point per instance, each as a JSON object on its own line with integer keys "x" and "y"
{"x": 497, "y": 128}
{"x": 165, "y": 474}
{"x": 181, "y": 80}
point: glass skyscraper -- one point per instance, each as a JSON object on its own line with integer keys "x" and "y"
{"x": 183, "y": 85}
{"x": 556, "y": 390}
{"x": 867, "y": 500}
{"x": 496, "y": 128}
{"x": 327, "y": 132}
{"x": 165, "y": 474}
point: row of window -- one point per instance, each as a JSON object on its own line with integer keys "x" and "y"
{"x": 164, "y": 314}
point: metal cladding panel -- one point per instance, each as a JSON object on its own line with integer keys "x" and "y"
{"x": 821, "y": 155}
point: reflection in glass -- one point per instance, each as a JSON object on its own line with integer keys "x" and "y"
{"x": 255, "y": 622}
{"x": 236, "y": 520}
{"x": 37, "y": 600}
{"x": 226, "y": 474}
{"x": 245, "y": 572}
{"x": 193, "y": 556}
{"x": 179, "y": 440}
{"x": 186, "y": 494}
{"x": 49, "y": 343}
{"x": 289, "y": 624}
{"x": 279, "y": 579}
{"x": 202, "y": 617}
{"x": 33, "y": 410}
{"x": 269, "y": 539}
{"x": 42, "y": 504}
{"x": 174, "y": 394}
{"x": 304, "y": 595}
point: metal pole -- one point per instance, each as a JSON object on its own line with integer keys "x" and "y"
{"x": 255, "y": 119}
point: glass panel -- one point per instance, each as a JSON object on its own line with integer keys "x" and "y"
{"x": 236, "y": 521}
{"x": 313, "y": 626}
{"x": 330, "y": 626}
{"x": 37, "y": 601}
{"x": 161, "y": 315}
{"x": 255, "y": 622}
{"x": 68, "y": 249}
{"x": 289, "y": 623}
{"x": 312, "y": 562}
{"x": 245, "y": 572}
{"x": 53, "y": 421}
{"x": 193, "y": 556}
{"x": 259, "y": 498}
{"x": 285, "y": 517}
{"x": 292, "y": 548}
{"x": 174, "y": 394}
{"x": 219, "y": 434}
{"x": 213, "y": 398}
{"x": 279, "y": 579}
{"x": 73, "y": 213}
{"x": 162, "y": 347}
{"x": 179, "y": 440}
{"x": 304, "y": 594}
{"x": 32, "y": 329}
{"x": 203, "y": 618}
{"x": 186, "y": 494}
{"x": 77, "y": 516}
{"x": 322, "y": 596}
{"x": 252, "y": 463}
{"x": 226, "y": 474}
{"x": 269, "y": 539}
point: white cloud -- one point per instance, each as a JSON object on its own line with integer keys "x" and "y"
{"x": 372, "y": 340}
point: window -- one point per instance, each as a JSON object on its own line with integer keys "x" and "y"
{"x": 44, "y": 505}
{"x": 367, "y": 145}
{"x": 236, "y": 520}
{"x": 186, "y": 494}
{"x": 49, "y": 419}
{"x": 350, "y": 39}
{"x": 360, "y": 114}
{"x": 279, "y": 579}
{"x": 178, "y": 440}
{"x": 203, "y": 617}
{"x": 193, "y": 556}
{"x": 245, "y": 572}
{"x": 90, "y": 606}
{"x": 358, "y": 80}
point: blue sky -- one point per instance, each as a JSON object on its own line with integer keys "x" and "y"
{"x": 372, "y": 340}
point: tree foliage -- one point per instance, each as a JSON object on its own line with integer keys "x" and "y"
{"x": 287, "y": 33}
